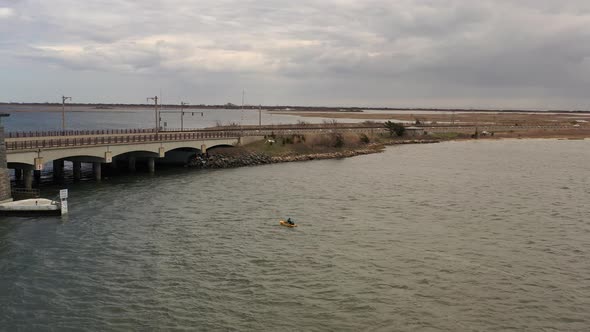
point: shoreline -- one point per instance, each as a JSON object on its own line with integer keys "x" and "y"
{"x": 242, "y": 157}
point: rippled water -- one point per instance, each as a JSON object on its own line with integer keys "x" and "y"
{"x": 460, "y": 236}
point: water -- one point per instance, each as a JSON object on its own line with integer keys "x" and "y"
{"x": 79, "y": 118}
{"x": 460, "y": 236}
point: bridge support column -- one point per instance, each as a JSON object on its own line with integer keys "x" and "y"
{"x": 132, "y": 164}
{"x": 18, "y": 174}
{"x": 151, "y": 165}
{"x": 37, "y": 176}
{"x": 28, "y": 178}
{"x": 77, "y": 168}
{"x": 58, "y": 169}
{"x": 96, "y": 168}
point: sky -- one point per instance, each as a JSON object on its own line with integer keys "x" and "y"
{"x": 374, "y": 53}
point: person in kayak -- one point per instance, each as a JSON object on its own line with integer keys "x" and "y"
{"x": 290, "y": 222}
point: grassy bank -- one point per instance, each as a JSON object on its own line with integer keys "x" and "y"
{"x": 313, "y": 144}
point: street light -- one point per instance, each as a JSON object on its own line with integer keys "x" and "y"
{"x": 63, "y": 112}
{"x": 182, "y": 104}
{"x": 155, "y": 99}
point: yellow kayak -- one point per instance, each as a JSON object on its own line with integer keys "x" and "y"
{"x": 286, "y": 224}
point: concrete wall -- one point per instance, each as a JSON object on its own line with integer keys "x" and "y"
{"x": 5, "y": 193}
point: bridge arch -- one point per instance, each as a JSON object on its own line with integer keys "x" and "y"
{"x": 180, "y": 155}
{"x": 137, "y": 154}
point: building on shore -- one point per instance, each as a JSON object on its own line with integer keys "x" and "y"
{"x": 414, "y": 131}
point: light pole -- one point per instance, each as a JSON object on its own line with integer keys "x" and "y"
{"x": 242, "y": 120}
{"x": 155, "y": 99}
{"x": 63, "y": 112}
{"x": 182, "y": 104}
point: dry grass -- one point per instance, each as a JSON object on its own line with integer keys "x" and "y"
{"x": 306, "y": 144}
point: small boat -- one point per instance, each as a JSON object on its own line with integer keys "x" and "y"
{"x": 286, "y": 224}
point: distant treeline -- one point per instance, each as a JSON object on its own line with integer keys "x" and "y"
{"x": 295, "y": 108}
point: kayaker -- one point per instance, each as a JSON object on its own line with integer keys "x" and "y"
{"x": 290, "y": 222}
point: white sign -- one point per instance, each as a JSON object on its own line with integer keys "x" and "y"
{"x": 64, "y": 207}
{"x": 63, "y": 194}
{"x": 108, "y": 156}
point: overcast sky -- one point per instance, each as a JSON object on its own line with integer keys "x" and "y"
{"x": 408, "y": 53}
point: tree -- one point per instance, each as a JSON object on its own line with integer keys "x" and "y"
{"x": 394, "y": 128}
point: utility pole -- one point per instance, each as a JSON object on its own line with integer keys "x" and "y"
{"x": 242, "y": 121}
{"x": 155, "y": 99}
{"x": 63, "y": 112}
{"x": 182, "y": 104}
{"x": 259, "y": 115}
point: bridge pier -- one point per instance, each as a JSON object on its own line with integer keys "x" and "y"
{"x": 151, "y": 165}
{"x": 132, "y": 164}
{"x": 77, "y": 170}
{"x": 58, "y": 169}
{"x": 97, "y": 169}
{"x": 37, "y": 176}
{"x": 18, "y": 174}
{"x": 28, "y": 178}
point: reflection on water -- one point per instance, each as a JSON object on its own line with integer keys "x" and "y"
{"x": 450, "y": 237}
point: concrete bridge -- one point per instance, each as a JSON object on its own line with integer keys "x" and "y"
{"x": 28, "y": 156}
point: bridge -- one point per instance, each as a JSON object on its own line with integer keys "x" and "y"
{"x": 29, "y": 152}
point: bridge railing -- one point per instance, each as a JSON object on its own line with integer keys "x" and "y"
{"x": 95, "y": 132}
{"x": 115, "y": 139}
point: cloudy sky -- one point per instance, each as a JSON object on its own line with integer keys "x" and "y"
{"x": 407, "y": 53}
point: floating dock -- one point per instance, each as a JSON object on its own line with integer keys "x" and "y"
{"x": 33, "y": 206}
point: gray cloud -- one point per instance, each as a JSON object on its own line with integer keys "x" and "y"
{"x": 487, "y": 53}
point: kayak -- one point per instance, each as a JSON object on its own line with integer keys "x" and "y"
{"x": 286, "y": 224}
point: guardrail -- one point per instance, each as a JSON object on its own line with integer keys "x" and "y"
{"x": 51, "y": 133}
{"x": 110, "y": 140}
{"x": 307, "y": 126}
{"x": 97, "y": 132}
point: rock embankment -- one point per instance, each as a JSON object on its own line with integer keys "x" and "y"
{"x": 229, "y": 161}
{"x": 413, "y": 141}
{"x": 253, "y": 159}
{"x": 248, "y": 158}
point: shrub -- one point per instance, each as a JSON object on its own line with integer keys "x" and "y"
{"x": 364, "y": 139}
{"x": 338, "y": 140}
{"x": 395, "y": 128}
